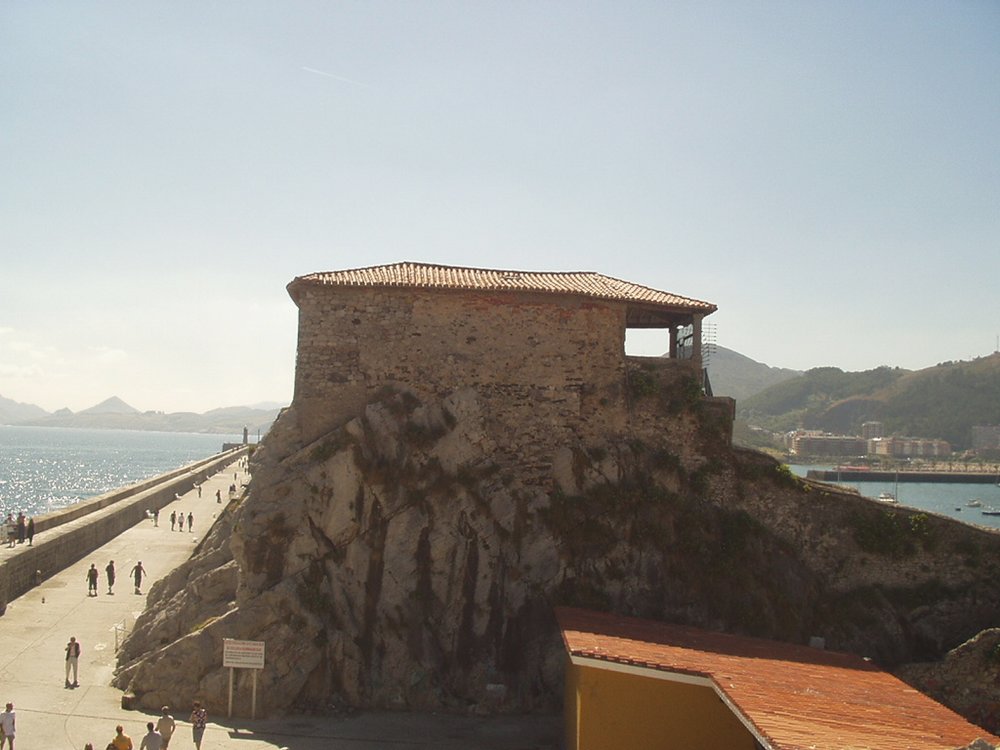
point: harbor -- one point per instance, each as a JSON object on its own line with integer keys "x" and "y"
{"x": 970, "y": 502}
{"x": 864, "y": 474}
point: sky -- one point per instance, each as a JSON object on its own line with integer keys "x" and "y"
{"x": 827, "y": 174}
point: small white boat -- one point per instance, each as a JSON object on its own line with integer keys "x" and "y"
{"x": 887, "y": 497}
{"x": 976, "y": 503}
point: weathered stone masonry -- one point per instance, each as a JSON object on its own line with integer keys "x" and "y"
{"x": 552, "y": 358}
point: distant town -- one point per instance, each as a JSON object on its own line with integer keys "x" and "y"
{"x": 873, "y": 442}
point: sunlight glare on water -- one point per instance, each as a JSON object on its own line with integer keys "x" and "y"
{"x": 43, "y": 469}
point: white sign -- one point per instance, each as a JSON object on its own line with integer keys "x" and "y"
{"x": 242, "y": 654}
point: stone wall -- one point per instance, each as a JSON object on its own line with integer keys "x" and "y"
{"x": 550, "y": 358}
{"x": 68, "y": 535}
{"x": 196, "y": 472}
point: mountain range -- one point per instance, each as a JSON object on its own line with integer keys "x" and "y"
{"x": 943, "y": 402}
{"x": 733, "y": 374}
{"x": 113, "y": 413}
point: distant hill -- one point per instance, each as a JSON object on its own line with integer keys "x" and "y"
{"x": 733, "y": 374}
{"x": 113, "y": 413}
{"x": 12, "y": 412}
{"x": 944, "y": 401}
{"x": 113, "y": 405}
{"x": 267, "y": 405}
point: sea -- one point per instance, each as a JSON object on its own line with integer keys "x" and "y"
{"x": 944, "y": 499}
{"x": 43, "y": 469}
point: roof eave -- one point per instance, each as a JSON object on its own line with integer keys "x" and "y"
{"x": 671, "y": 312}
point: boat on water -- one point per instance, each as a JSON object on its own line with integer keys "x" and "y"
{"x": 887, "y": 497}
{"x": 975, "y": 503}
{"x": 990, "y": 512}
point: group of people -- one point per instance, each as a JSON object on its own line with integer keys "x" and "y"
{"x": 158, "y": 734}
{"x": 138, "y": 573}
{"x": 16, "y": 530}
{"x": 177, "y": 520}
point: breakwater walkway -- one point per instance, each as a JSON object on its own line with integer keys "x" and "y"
{"x": 936, "y": 477}
{"x": 65, "y": 536}
{"x": 38, "y": 623}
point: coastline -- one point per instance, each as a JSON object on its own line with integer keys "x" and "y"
{"x": 45, "y": 469}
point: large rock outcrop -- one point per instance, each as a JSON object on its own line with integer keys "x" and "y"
{"x": 967, "y": 679}
{"x": 411, "y": 558}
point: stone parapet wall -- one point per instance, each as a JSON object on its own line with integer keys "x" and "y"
{"x": 544, "y": 358}
{"x": 65, "y": 536}
{"x": 197, "y": 472}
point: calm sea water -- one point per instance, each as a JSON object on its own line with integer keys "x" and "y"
{"x": 945, "y": 499}
{"x": 47, "y": 468}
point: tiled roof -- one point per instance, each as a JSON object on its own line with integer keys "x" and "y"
{"x": 427, "y": 276}
{"x": 795, "y": 697}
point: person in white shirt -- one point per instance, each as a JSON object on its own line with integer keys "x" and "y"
{"x": 165, "y": 725}
{"x": 72, "y": 660}
{"x": 152, "y": 740}
{"x": 7, "y": 724}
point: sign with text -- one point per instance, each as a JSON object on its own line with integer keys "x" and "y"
{"x": 242, "y": 654}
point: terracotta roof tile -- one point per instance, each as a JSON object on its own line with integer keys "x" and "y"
{"x": 427, "y": 276}
{"x": 794, "y": 696}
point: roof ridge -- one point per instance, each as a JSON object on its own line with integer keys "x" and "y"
{"x": 444, "y": 266}
{"x": 438, "y": 276}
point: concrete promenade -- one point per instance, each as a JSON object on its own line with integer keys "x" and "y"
{"x": 36, "y": 627}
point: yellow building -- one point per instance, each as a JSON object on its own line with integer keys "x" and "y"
{"x": 634, "y": 683}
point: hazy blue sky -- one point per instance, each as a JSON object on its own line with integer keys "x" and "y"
{"x": 827, "y": 173}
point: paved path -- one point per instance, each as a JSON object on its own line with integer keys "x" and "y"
{"x": 36, "y": 627}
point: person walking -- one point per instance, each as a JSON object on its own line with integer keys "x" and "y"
{"x": 151, "y": 740}
{"x": 190, "y": 522}
{"x": 92, "y": 580}
{"x": 31, "y": 530}
{"x": 7, "y": 726}
{"x": 109, "y": 571}
{"x": 173, "y": 520}
{"x": 156, "y": 517}
{"x": 137, "y": 573}
{"x": 72, "y": 661}
{"x": 199, "y": 718}
{"x": 165, "y": 725}
{"x": 121, "y": 741}
{"x": 180, "y": 521}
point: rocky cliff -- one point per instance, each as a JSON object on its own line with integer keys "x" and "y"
{"x": 967, "y": 679}
{"x": 411, "y": 558}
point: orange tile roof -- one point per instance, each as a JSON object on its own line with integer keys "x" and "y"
{"x": 795, "y": 697}
{"x": 427, "y": 276}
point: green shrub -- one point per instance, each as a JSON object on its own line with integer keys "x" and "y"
{"x": 892, "y": 534}
{"x": 642, "y": 384}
